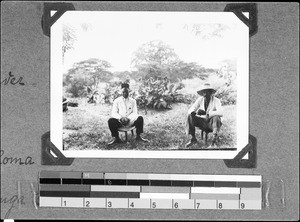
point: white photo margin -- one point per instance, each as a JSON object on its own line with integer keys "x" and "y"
{"x": 56, "y": 85}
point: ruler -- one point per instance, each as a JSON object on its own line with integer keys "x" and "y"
{"x": 149, "y": 191}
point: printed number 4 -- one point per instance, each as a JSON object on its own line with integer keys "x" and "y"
{"x": 132, "y": 204}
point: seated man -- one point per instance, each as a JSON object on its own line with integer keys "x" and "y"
{"x": 124, "y": 113}
{"x": 209, "y": 110}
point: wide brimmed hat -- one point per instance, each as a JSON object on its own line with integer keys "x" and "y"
{"x": 206, "y": 87}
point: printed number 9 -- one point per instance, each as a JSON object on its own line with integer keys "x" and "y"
{"x": 242, "y": 205}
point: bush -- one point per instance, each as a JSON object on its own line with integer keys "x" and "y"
{"x": 227, "y": 95}
{"x": 159, "y": 93}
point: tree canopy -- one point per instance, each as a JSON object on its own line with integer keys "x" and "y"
{"x": 87, "y": 73}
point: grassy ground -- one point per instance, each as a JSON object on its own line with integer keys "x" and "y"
{"x": 85, "y": 127}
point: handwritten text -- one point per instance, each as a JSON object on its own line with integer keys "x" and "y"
{"x": 11, "y": 201}
{"x": 15, "y": 160}
{"x": 11, "y": 79}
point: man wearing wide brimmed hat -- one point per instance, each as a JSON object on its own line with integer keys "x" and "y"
{"x": 205, "y": 113}
{"x": 125, "y": 113}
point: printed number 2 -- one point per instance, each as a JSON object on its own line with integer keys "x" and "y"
{"x": 87, "y": 203}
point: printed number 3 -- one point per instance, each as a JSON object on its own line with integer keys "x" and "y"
{"x": 109, "y": 204}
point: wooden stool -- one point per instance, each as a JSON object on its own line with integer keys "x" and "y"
{"x": 206, "y": 135}
{"x": 125, "y": 129}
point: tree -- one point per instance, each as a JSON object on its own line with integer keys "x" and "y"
{"x": 154, "y": 52}
{"x": 69, "y": 38}
{"x": 87, "y": 73}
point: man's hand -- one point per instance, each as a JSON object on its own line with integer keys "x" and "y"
{"x": 201, "y": 112}
{"x": 124, "y": 121}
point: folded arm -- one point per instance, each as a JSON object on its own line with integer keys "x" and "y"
{"x": 218, "y": 111}
{"x": 195, "y": 106}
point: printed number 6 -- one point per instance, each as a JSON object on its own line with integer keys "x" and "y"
{"x": 176, "y": 205}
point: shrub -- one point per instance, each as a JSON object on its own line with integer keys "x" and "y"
{"x": 159, "y": 93}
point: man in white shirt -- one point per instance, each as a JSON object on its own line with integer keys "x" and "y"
{"x": 124, "y": 113}
{"x": 205, "y": 113}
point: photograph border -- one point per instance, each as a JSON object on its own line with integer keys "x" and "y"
{"x": 56, "y": 118}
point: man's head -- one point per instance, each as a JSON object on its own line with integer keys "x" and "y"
{"x": 207, "y": 93}
{"x": 125, "y": 90}
{"x": 206, "y": 90}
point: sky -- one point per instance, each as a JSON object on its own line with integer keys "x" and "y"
{"x": 114, "y": 36}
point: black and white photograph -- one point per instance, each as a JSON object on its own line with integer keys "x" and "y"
{"x": 136, "y": 82}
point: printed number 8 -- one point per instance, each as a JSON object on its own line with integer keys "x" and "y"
{"x": 220, "y": 206}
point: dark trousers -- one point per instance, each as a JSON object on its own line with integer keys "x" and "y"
{"x": 212, "y": 124}
{"x": 114, "y": 125}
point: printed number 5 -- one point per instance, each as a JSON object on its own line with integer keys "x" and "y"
{"x": 154, "y": 205}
